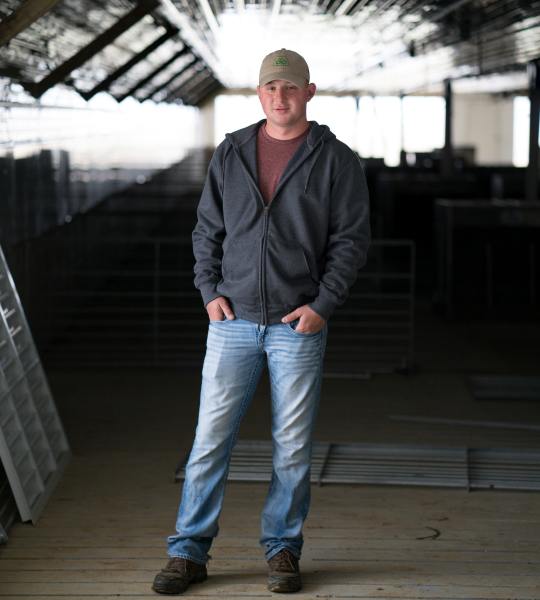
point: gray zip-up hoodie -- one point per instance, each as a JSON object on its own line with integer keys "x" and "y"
{"x": 305, "y": 247}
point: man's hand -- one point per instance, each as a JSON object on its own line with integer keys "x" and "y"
{"x": 219, "y": 307}
{"x": 310, "y": 321}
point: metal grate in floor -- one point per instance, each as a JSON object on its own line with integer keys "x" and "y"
{"x": 393, "y": 464}
{"x": 505, "y": 388}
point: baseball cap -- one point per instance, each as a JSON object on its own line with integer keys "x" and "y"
{"x": 284, "y": 64}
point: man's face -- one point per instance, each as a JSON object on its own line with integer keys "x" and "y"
{"x": 284, "y": 103}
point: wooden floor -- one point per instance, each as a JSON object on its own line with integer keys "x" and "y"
{"x": 103, "y": 534}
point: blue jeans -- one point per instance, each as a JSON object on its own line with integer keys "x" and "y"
{"x": 237, "y": 351}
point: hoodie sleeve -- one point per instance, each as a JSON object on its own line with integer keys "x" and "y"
{"x": 348, "y": 237}
{"x": 209, "y": 232}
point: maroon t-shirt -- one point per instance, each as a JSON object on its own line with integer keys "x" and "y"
{"x": 272, "y": 158}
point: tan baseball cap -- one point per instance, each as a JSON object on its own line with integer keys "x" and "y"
{"x": 284, "y": 64}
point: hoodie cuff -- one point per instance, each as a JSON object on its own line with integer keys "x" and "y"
{"x": 209, "y": 292}
{"x": 323, "y": 305}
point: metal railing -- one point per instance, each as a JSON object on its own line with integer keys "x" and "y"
{"x": 133, "y": 303}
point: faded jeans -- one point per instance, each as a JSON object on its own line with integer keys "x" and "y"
{"x": 237, "y": 351}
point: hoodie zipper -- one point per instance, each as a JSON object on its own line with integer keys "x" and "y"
{"x": 262, "y": 263}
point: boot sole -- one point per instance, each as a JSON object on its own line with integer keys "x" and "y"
{"x": 284, "y": 586}
{"x": 168, "y": 587}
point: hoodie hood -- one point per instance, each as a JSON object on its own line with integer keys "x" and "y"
{"x": 243, "y": 142}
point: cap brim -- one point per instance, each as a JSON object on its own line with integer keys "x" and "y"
{"x": 296, "y": 79}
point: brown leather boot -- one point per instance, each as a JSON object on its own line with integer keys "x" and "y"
{"x": 284, "y": 573}
{"x": 177, "y": 575}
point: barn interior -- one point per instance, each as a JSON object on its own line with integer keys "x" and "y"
{"x": 426, "y": 463}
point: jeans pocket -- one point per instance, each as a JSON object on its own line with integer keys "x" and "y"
{"x": 294, "y": 324}
{"x": 216, "y": 322}
{"x": 292, "y": 328}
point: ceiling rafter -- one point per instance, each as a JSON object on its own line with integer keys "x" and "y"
{"x": 155, "y": 72}
{"x": 188, "y": 75}
{"x": 177, "y": 93}
{"x": 106, "y": 83}
{"x": 171, "y": 80}
{"x": 193, "y": 87}
{"x": 62, "y": 71}
{"x": 23, "y": 17}
{"x": 195, "y": 97}
{"x": 202, "y": 47}
{"x": 206, "y": 93}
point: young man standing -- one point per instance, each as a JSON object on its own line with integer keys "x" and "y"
{"x": 283, "y": 227}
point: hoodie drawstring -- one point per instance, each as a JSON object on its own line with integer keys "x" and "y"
{"x": 313, "y": 164}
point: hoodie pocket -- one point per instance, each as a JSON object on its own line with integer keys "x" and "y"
{"x": 288, "y": 279}
{"x": 240, "y": 269}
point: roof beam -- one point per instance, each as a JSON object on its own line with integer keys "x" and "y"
{"x": 203, "y": 93}
{"x": 440, "y": 14}
{"x": 107, "y": 37}
{"x": 189, "y": 34}
{"x": 197, "y": 86}
{"x": 23, "y": 17}
{"x": 216, "y": 86}
{"x": 106, "y": 83}
{"x": 186, "y": 84}
{"x": 344, "y": 7}
{"x": 175, "y": 76}
{"x": 209, "y": 16}
{"x": 149, "y": 78}
{"x": 172, "y": 95}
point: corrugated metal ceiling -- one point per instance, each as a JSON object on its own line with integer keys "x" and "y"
{"x": 191, "y": 47}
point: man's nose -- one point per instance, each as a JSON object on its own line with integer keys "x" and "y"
{"x": 280, "y": 95}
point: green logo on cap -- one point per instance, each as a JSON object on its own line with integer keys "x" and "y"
{"x": 281, "y": 61}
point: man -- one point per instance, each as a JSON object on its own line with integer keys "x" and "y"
{"x": 283, "y": 227}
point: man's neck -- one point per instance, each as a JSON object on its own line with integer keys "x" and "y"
{"x": 286, "y": 133}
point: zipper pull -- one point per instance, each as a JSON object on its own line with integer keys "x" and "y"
{"x": 266, "y": 211}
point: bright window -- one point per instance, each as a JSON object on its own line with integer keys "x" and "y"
{"x": 522, "y": 111}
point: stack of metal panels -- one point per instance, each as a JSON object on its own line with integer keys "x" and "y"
{"x": 252, "y": 461}
{"x": 8, "y": 507}
{"x": 33, "y": 446}
{"x": 488, "y": 387}
{"x": 395, "y": 464}
{"x": 504, "y": 469}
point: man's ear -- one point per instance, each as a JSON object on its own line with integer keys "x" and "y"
{"x": 311, "y": 91}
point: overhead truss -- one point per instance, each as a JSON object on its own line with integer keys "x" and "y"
{"x": 29, "y": 12}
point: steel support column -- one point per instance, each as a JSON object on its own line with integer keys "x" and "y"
{"x": 531, "y": 183}
{"x": 446, "y": 156}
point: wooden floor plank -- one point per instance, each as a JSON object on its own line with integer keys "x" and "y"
{"x": 28, "y": 533}
{"x": 252, "y": 576}
{"x": 405, "y": 565}
{"x": 234, "y": 583}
